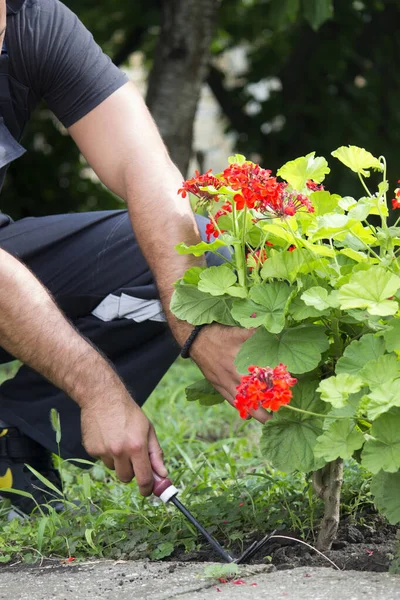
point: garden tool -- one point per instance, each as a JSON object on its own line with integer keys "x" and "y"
{"x": 167, "y": 492}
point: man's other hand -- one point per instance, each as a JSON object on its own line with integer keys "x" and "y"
{"x": 214, "y": 351}
{"x": 120, "y": 435}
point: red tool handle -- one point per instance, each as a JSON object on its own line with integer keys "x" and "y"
{"x": 160, "y": 484}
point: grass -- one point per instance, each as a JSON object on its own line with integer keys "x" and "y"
{"x": 213, "y": 458}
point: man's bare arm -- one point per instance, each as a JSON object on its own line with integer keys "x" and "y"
{"x": 122, "y": 144}
{"x": 35, "y": 331}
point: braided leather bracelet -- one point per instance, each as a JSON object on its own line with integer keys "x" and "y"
{"x": 185, "y": 352}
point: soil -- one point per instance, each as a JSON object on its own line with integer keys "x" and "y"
{"x": 370, "y": 546}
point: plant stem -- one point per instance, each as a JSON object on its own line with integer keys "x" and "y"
{"x": 327, "y": 483}
{"x": 364, "y": 185}
{"x": 313, "y": 414}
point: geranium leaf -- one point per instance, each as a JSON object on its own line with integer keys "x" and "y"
{"x": 298, "y": 172}
{"x": 266, "y": 307}
{"x": 340, "y": 439}
{"x": 336, "y": 389}
{"x": 385, "y": 488}
{"x": 357, "y": 159}
{"x": 383, "y": 452}
{"x": 372, "y": 290}
{"x": 204, "y": 392}
{"x": 392, "y": 336}
{"x": 289, "y": 438}
{"x": 324, "y": 202}
{"x": 319, "y": 298}
{"x": 201, "y": 248}
{"x": 283, "y": 265}
{"x": 383, "y": 398}
{"x": 216, "y": 280}
{"x": 190, "y": 304}
{"x": 192, "y": 275}
{"x": 359, "y": 353}
{"x": 377, "y": 372}
{"x": 300, "y": 311}
{"x": 299, "y": 348}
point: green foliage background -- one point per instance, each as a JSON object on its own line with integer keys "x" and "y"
{"x": 338, "y": 67}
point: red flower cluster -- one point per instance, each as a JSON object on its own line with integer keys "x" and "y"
{"x": 210, "y": 227}
{"x": 194, "y": 185}
{"x": 256, "y": 189}
{"x": 259, "y": 256}
{"x": 314, "y": 187}
{"x": 396, "y": 199}
{"x": 256, "y": 185}
{"x": 266, "y": 387}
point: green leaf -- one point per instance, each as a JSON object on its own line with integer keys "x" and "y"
{"x": 348, "y": 410}
{"x": 299, "y": 348}
{"x": 383, "y": 452}
{"x": 44, "y": 521}
{"x": 283, "y": 265}
{"x": 377, "y": 372}
{"x": 319, "y": 298}
{"x": 300, "y": 311}
{"x": 56, "y": 424}
{"x": 298, "y": 172}
{"x": 316, "y": 12}
{"x": 266, "y": 307}
{"x": 237, "y": 159}
{"x": 336, "y": 389}
{"x": 385, "y": 487}
{"x": 341, "y": 439}
{"x": 392, "y": 336}
{"x": 324, "y": 202}
{"x": 192, "y": 275}
{"x": 45, "y": 481}
{"x": 216, "y": 280}
{"x": 357, "y": 159}
{"x": 383, "y": 398}
{"x": 201, "y": 248}
{"x": 162, "y": 551}
{"x": 196, "y": 307}
{"x": 372, "y": 290}
{"x": 289, "y": 438}
{"x": 204, "y": 392}
{"x": 89, "y": 538}
{"x": 359, "y": 353}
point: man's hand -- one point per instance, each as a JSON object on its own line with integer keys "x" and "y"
{"x": 122, "y": 436}
{"x": 214, "y": 351}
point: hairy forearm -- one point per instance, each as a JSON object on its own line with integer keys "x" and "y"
{"x": 35, "y": 331}
{"x": 121, "y": 142}
{"x": 161, "y": 220}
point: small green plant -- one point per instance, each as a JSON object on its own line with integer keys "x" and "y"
{"x": 320, "y": 285}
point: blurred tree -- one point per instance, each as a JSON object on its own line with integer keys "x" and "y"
{"x": 319, "y": 74}
{"x": 179, "y": 70}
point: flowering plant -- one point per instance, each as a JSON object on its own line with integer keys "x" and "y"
{"x": 320, "y": 281}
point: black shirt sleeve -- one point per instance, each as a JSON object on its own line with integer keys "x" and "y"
{"x": 72, "y": 72}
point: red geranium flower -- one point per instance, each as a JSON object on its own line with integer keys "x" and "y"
{"x": 198, "y": 181}
{"x": 314, "y": 187}
{"x": 266, "y": 387}
{"x": 396, "y": 199}
{"x": 210, "y": 227}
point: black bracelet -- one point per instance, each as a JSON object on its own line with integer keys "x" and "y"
{"x": 185, "y": 352}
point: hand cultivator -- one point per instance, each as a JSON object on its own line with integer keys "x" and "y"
{"x": 167, "y": 492}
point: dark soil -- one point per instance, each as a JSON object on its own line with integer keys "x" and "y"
{"x": 371, "y": 546}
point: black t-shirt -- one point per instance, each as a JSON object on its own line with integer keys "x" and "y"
{"x": 56, "y": 58}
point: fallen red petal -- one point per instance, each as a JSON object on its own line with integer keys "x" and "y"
{"x": 239, "y": 582}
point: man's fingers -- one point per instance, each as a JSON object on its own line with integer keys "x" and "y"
{"x": 156, "y": 454}
{"x": 143, "y": 471}
{"x": 261, "y": 415}
{"x": 108, "y": 462}
{"x": 124, "y": 469}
